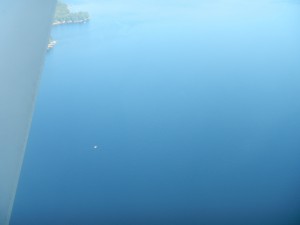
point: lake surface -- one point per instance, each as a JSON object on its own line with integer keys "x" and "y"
{"x": 194, "y": 107}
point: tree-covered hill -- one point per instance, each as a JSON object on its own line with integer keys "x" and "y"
{"x": 64, "y": 15}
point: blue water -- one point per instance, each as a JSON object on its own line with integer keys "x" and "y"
{"x": 194, "y": 106}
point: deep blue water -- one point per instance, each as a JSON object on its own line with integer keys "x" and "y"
{"x": 195, "y": 107}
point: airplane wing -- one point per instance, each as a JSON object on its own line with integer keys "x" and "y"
{"x": 25, "y": 27}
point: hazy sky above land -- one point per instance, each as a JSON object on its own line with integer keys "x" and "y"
{"x": 187, "y": 8}
{"x": 207, "y": 12}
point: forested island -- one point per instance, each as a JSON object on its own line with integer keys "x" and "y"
{"x": 63, "y": 15}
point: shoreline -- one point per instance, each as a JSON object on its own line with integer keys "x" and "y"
{"x": 53, "y": 43}
{"x": 57, "y": 23}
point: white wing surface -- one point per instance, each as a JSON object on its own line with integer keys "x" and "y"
{"x": 24, "y": 33}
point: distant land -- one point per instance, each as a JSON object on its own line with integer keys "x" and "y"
{"x": 63, "y": 15}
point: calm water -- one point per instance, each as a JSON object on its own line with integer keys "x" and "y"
{"x": 194, "y": 106}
